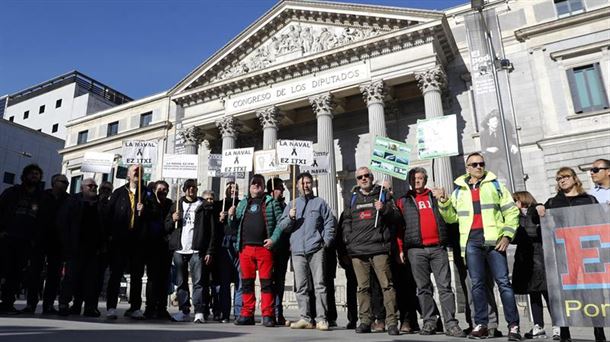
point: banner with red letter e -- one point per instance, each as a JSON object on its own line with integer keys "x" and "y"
{"x": 576, "y": 244}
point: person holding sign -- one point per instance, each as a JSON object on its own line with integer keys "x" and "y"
{"x": 192, "y": 225}
{"x": 255, "y": 219}
{"x": 367, "y": 239}
{"x": 311, "y": 225}
{"x": 488, "y": 219}
{"x": 128, "y": 221}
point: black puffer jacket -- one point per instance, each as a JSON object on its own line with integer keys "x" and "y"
{"x": 360, "y": 235}
{"x": 529, "y": 273}
{"x": 204, "y": 231}
{"x": 410, "y": 220}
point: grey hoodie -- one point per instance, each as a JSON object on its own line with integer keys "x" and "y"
{"x": 312, "y": 229}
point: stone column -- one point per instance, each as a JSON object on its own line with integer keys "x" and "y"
{"x": 374, "y": 94}
{"x": 270, "y": 118}
{"x": 431, "y": 82}
{"x": 327, "y": 184}
{"x": 192, "y": 137}
{"x": 228, "y": 127}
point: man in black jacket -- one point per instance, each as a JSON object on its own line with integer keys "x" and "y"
{"x": 125, "y": 211}
{"x": 425, "y": 238}
{"x": 191, "y": 224}
{"x": 367, "y": 239}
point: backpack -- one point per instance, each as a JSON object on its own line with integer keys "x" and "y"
{"x": 355, "y": 197}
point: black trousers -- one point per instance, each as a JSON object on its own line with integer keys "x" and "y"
{"x": 14, "y": 256}
{"x": 80, "y": 281}
{"x": 158, "y": 262}
{"x": 125, "y": 256}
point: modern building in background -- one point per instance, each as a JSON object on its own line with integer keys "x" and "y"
{"x": 46, "y": 107}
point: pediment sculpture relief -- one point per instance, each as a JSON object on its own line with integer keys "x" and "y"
{"x": 296, "y": 41}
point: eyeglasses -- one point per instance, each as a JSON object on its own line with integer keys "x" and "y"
{"x": 560, "y": 178}
{"x": 366, "y": 175}
{"x": 596, "y": 169}
{"x": 481, "y": 164}
{"x": 91, "y": 186}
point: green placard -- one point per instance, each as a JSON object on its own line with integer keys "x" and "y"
{"x": 390, "y": 157}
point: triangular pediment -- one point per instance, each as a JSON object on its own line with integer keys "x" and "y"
{"x": 293, "y": 30}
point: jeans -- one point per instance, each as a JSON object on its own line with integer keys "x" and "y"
{"x": 304, "y": 265}
{"x": 199, "y": 277}
{"x": 228, "y": 269}
{"x": 478, "y": 257}
{"x": 434, "y": 260}
{"x": 381, "y": 266}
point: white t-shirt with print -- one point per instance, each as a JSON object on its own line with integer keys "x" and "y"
{"x": 188, "y": 226}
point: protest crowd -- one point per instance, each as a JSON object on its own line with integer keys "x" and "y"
{"x": 207, "y": 250}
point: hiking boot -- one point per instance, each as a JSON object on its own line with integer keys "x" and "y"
{"x": 455, "y": 331}
{"x": 243, "y": 320}
{"x": 393, "y": 330}
{"x": 268, "y": 322}
{"x": 363, "y": 329}
{"x": 479, "y": 332}
{"x": 428, "y": 329}
{"x": 514, "y": 334}
{"x": 322, "y": 326}
{"x": 302, "y": 324}
{"x": 378, "y": 326}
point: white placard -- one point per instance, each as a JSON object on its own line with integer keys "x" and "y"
{"x": 180, "y": 166}
{"x": 320, "y": 165}
{"x": 237, "y": 160}
{"x": 265, "y": 163}
{"x": 319, "y": 82}
{"x": 214, "y": 164}
{"x": 139, "y": 152}
{"x": 295, "y": 152}
{"x": 98, "y": 162}
{"x": 437, "y": 137}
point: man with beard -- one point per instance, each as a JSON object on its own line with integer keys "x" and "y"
{"x": 19, "y": 232}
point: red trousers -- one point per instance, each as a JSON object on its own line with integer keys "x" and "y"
{"x": 252, "y": 258}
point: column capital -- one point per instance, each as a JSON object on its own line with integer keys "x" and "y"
{"x": 433, "y": 79}
{"x": 192, "y": 135}
{"x": 373, "y": 92}
{"x": 322, "y": 104}
{"x": 228, "y": 126}
{"x": 269, "y": 117}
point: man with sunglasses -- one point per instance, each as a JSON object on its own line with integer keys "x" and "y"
{"x": 600, "y": 174}
{"x": 487, "y": 218}
{"x": 366, "y": 233}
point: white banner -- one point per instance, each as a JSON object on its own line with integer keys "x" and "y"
{"x": 180, "y": 166}
{"x": 139, "y": 152}
{"x": 295, "y": 152}
{"x": 237, "y": 160}
{"x": 320, "y": 165}
{"x": 437, "y": 137}
{"x": 98, "y": 162}
{"x": 214, "y": 164}
{"x": 265, "y": 163}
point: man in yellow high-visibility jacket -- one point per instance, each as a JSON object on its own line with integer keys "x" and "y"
{"x": 488, "y": 219}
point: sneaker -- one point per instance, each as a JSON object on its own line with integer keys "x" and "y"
{"x": 536, "y": 332}
{"x": 479, "y": 332}
{"x": 455, "y": 331}
{"x": 393, "y": 330}
{"x": 556, "y": 333}
{"x": 268, "y": 322}
{"x": 428, "y": 329}
{"x": 110, "y": 314}
{"x": 405, "y": 327}
{"x": 199, "y": 318}
{"x": 322, "y": 326}
{"x": 514, "y": 334}
{"x": 135, "y": 314}
{"x": 378, "y": 326}
{"x": 302, "y": 324}
{"x": 181, "y": 317}
{"x": 363, "y": 329}
{"x": 243, "y": 320}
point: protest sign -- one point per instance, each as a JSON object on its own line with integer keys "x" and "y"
{"x": 295, "y": 152}
{"x": 576, "y": 244}
{"x": 139, "y": 152}
{"x": 237, "y": 160}
{"x": 98, "y": 162}
{"x": 214, "y": 165}
{"x": 180, "y": 166}
{"x": 320, "y": 165}
{"x": 437, "y": 137}
{"x": 390, "y": 157}
{"x": 265, "y": 163}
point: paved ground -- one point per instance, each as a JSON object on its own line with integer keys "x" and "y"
{"x": 39, "y": 328}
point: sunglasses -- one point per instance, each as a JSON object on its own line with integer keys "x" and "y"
{"x": 481, "y": 164}
{"x": 366, "y": 175}
{"x": 596, "y": 169}
{"x": 560, "y": 178}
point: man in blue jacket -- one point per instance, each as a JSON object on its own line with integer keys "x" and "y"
{"x": 312, "y": 228}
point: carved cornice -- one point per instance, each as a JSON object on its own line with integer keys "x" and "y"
{"x": 192, "y": 135}
{"x": 269, "y": 117}
{"x": 228, "y": 126}
{"x": 373, "y": 92}
{"x": 322, "y": 104}
{"x": 433, "y": 79}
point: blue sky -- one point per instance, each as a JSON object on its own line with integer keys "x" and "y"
{"x": 138, "y": 47}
